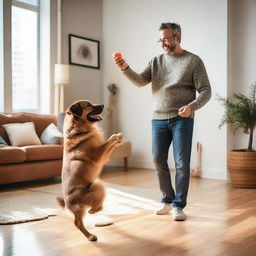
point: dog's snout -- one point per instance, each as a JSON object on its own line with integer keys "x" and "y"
{"x": 100, "y": 106}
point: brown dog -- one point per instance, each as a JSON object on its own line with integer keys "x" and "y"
{"x": 85, "y": 153}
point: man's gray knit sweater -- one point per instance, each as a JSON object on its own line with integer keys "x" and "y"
{"x": 175, "y": 80}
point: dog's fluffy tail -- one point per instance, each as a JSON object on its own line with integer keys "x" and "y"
{"x": 61, "y": 201}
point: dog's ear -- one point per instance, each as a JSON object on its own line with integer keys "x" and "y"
{"x": 75, "y": 110}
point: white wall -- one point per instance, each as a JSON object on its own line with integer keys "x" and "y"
{"x": 131, "y": 27}
{"x": 82, "y": 18}
{"x": 243, "y": 56}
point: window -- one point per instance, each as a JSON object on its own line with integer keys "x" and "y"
{"x": 1, "y": 59}
{"x": 25, "y": 56}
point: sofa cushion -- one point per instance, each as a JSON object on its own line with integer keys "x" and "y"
{"x": 22, "y": 134}
{"x": 40, "y": 121}
{"x": 51, "y": 135}
{"x": 3, "y": 143}
{"x": 43, "y": 152}
{"x": 10, "y": 155}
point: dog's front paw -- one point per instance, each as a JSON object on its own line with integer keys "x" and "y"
{"x": 117, "y": 137}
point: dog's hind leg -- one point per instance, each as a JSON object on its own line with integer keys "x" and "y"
{"x": 95, "y": 197}
{"x": 78, "y": 221}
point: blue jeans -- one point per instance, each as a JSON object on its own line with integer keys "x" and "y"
{"x": 179, "y": 131}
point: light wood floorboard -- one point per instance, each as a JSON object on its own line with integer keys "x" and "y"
{"x": 221, "y": 221}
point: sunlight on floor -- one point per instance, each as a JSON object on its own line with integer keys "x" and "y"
{"x": 14, "y": 241}
{"x": 118, "y": 202}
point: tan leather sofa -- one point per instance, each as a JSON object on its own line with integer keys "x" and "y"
{"x": 33, "y": 161}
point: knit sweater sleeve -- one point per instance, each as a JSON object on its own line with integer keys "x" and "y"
{"x": 202, "y": 85}
{"x": 141, "y": 79}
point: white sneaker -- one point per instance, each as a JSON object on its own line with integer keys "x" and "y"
{"x": 164, "y": 210}
{"x": 178, "y": 214}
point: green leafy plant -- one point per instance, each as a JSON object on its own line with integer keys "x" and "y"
{"x": 240, "y": 112}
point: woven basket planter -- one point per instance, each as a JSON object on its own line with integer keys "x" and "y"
{"x": 242, "y": 169}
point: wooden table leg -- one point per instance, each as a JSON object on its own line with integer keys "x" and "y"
{"x": 125, "y": 164}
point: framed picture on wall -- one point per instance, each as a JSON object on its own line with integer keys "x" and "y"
{"x": 84, "y": 52}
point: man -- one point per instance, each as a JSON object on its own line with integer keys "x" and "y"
{"x": 175, "y": 77}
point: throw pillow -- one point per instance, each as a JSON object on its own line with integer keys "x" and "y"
{"x": 3, "y": 143}
{"x": 51, "y": 135}
{"x": 22, "y": 134}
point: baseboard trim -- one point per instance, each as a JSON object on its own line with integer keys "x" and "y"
{"x": 216, "y": 174}
{"x": 132, "y": 163}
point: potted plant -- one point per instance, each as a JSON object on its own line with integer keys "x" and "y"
{"x": 240, "y": 112}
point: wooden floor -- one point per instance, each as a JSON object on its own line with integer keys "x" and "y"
{"x": 221, "y": 221}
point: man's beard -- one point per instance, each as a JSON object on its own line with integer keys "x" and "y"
{"x": 171, "y": 47}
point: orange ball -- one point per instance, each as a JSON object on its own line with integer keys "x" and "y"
{"x": 117, "y": 55}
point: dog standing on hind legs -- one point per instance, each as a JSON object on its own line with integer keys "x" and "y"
{"x": 85, "y": 153}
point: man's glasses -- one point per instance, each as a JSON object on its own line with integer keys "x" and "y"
{"x": 165, "y": 40}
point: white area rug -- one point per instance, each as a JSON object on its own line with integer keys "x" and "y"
{"x": 37, "y": 203}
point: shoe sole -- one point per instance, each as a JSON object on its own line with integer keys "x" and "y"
{"x": 179, "y": 218}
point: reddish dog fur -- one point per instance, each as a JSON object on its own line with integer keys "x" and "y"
{"x": 85, "y": 153}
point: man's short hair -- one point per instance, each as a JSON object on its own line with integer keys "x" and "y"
{"x": 174, "y": 27}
